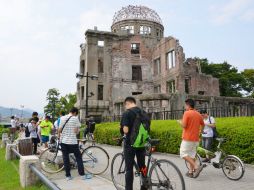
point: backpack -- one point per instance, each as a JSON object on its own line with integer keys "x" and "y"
{"x": 91, "y": 126}
{"x": 139, "y": 133}
{"x": 27, "y": 132}
{"x": 215, "y": 133}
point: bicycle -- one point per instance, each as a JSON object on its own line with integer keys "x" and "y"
{"x": 158, "y": 171}
{"x": 95, "y": 158}
{"x": 230, "y": 164}
{"x": 90, "y": 138}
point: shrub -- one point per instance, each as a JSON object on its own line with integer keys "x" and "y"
{"x": 3, "y": 130}
{"x": 238, "y": 131}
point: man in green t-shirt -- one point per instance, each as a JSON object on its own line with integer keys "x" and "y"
{"x": 46, "y": 127}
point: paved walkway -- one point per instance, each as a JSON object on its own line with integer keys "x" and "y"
{"x": 209, "y": 179}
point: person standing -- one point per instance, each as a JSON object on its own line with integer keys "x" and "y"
{"x": 207, "y": 133}
{"x": 32, "y": 127}
{"x": 126, "y": 125}
{"x": 57, "y": 122}
{"x": 90, "y": 127}
{"x": 62, "y": 113}
{"x": 12, "y": 129}
{"x": 191, "y": 123}
{"x": 45, "y": 129}
{"x": 13, "y": 122}
{"x": 67, "y": 131}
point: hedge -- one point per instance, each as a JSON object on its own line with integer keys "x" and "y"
{"x": 239, "y": 132}
{"x": 3, "y": 130}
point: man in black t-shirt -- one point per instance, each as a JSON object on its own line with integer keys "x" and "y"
{"x": 129, "y": 152}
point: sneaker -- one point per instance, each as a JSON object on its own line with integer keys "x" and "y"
{"x": 197, "y": 171}
{"x": 69, "y": 178}
{"x": 87, "y": 176}
{"x": 188, "y": 174}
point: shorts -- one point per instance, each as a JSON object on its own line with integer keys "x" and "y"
{"x": 188, "y": 148}
{"x": 44, "y": 139}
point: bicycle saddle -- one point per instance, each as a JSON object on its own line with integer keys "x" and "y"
{"x": 154, "y": 141}
{"x": 221, "y": 139}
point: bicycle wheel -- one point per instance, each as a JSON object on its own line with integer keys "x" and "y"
{"x": 51, "y": 162}
{"x": 118, "y": 171}
{"x": 233, "y": 167}
{"x": 95, "y": 159}
{"x": 197, "y": 161}
{"x": 165, "y": 175}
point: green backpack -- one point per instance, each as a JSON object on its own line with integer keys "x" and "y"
{"x": 139, "y": 134}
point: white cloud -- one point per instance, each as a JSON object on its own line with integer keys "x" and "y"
{"x": 97, "y": 16}
{"x": 232, "y": 10}
{"x": 248, "y": 16}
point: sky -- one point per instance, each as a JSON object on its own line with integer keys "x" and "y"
{"x": 39, "y": 40}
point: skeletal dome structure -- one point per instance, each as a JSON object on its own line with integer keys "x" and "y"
{"x": 138, "y": 20}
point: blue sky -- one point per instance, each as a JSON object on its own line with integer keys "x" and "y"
{"x": 39, "y": 40}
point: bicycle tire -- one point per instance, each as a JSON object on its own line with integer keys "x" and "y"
{"x": 228, "y": 166}
{"x": 48, "y": 163}
{"x": 197, "y": 161}
{"x": 167, "y": 179}
{"x": 118, "y": 171}
{"x": 95, "y": 160}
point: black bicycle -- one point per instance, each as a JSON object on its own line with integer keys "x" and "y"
{"x": 95, "y": 158}
{"x": 161, "y": 174}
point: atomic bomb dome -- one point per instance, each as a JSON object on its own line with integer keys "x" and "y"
{"x": 138, "y": 13}
{"x": 138, "y": 20}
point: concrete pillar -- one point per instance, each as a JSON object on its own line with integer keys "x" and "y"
{"x": 4, "y": 135}
{"x": 9, "y": 155}
{"x": 4, "y": 142}
{"x": 27, "y": 177}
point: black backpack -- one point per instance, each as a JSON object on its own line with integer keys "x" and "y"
{"x": 91, "y": 126}
{"x": 27, "y": 132}
{"x": 140, "y": 130}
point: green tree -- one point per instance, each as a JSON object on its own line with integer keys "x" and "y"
{"x": 248, "y": 84}
{"x": 53, "y": 107}
{"x": 67, "y": 102}
{"x": 230, "y": 80}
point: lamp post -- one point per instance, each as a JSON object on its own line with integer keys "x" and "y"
{"x": 92, "y": 77}
{"x": 22, "y": 107}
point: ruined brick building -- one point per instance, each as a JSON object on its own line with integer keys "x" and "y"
{"x": 135, "y": 59}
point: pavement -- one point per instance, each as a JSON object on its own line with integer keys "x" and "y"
{"x": 209, "y": 179}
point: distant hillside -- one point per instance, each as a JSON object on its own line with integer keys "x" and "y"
{"x": 7, "y": 112}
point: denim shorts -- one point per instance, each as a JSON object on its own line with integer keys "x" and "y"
{"x": 44, "y": 138}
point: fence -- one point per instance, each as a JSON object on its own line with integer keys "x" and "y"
{"x": 28, "y": 169}
{"x": 232, "y": 111}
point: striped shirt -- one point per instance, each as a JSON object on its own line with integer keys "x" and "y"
{"x": 68, "y": 135}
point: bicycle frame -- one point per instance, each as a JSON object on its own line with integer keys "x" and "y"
{"x": 217, "y": 155}
{"x": 150, "y": 162}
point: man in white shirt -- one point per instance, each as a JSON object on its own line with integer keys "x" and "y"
{"x": 13, "y": 122}
{"x": 67, "y": 131}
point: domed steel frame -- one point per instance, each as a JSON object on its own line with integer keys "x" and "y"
{"x": 136, "y": 12}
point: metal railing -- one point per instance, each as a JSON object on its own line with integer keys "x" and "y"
{"x": 43, "y": 178}
{"x": 38, "y": 173}
{"x": 230, "y": 111}
{"x": 16, "y": 152}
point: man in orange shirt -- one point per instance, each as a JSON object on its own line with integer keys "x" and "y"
{"x": 192, "y": 122}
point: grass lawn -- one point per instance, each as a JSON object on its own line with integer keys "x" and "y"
{"x": 9, "y": 175}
